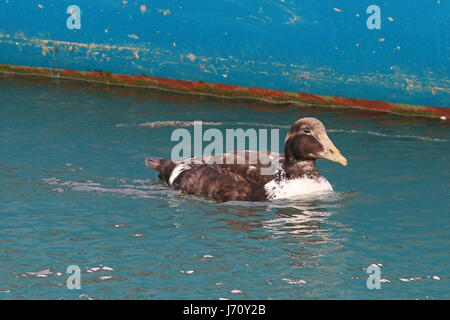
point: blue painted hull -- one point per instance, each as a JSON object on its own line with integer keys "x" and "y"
{"x": 318, "y": 47}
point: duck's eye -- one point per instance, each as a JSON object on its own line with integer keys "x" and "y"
{"x": 307, "y": 131}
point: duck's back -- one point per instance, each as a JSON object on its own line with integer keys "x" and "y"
{"x": 237, "y": 176}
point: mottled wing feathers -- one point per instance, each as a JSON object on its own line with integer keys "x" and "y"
{"x": 207, "y": 180}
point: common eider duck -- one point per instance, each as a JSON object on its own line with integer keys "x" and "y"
{"x": 296, "y": 174}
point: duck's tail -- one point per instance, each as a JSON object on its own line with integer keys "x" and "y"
{"x": 153, "y": 162}
{"x": 163, "y": 166}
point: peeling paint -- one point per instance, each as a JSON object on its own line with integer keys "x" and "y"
{"x": 294, "y": 19}
{"x": 46, "y": 45}
{"x": 164, "y": 11}
{"x": 191, "y": 57}
{"x": 146, "y": 58}
{"x": 133, "y": 36}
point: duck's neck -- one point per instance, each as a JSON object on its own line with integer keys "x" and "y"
{"x": 297, "y": 169}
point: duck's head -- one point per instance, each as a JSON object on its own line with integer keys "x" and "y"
{"x": 308, "y": 140}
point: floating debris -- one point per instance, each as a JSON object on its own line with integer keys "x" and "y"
{"x": 157, "y": 124}
{"x": 236, "y": 291}
{"x": 187, "y": 271}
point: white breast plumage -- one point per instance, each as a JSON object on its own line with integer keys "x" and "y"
{"x": 296, "y": 187}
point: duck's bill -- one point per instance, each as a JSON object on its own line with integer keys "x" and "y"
{"x": 338, "y": 158}
{"x": 332, "y": 153}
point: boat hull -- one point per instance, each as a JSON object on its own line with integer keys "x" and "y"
{"x": 326, "y": 53}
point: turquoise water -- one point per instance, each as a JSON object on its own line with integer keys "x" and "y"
{"x": 74, "y": 191}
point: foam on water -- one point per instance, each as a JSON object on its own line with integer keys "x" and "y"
{"x": 139, "y": 190}
{"x": 350, "y": 131}
{"x": 177, "y": 123}
{"x": 171, "y": 123}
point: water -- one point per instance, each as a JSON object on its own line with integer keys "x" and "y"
{"x": 74, "y": 191}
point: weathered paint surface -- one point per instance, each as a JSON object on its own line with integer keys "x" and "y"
{"x": 227, "y": 91}
{"x": 318, "y": 48}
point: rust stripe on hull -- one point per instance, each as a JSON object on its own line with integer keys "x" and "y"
{"x": 228, "y": 91}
